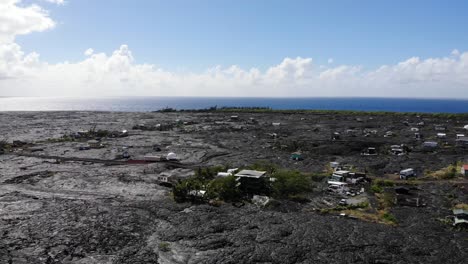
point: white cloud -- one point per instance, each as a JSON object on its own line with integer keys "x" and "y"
{"x": 89, "y": 52}
{"x": 330, "y": 60}
{"x": 118, "y": 74}
{"x": 19, "y": 20}
{"x": 58, "y": 2}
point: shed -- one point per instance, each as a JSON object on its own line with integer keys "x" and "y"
{"x": 297, "y": 156}
{"x": 464, "y": 170}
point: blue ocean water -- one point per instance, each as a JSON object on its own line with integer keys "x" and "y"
{"x": 146, "y": 104}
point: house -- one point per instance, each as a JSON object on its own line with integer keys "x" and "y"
{"x": 462, "y": 141}
{"x": 369, "y": 152}
{"x": 415, "y": 129}
{"x": 338, "y": 177}
{"x": 152, "y": 158}
{"x": 441, "y": 135}
{"x": 252, "y": 182}
{"x": 466, "y": 127}
{"x": 464, "y": 170}
{"x": 440, "y": 128}
{"x": 461, "y": 217}
{"x": 398, "y": 149}
{"x": 163, "y": 178}
{"x": 460, "y": 136}
{"x": 169, "y": 178}
{"x": 297, "y": 156}
{"x": 430, "y": 144}
{"x": 336, "y": 136}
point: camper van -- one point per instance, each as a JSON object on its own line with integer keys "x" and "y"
{"x": 407, "y": 173}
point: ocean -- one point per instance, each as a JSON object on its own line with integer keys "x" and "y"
{"x": 147, "y": 104}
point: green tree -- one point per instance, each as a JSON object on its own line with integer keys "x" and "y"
{"x": 224, "y": 188}
{"x": 290, "y": 183}
{"x": 181, "y": 190}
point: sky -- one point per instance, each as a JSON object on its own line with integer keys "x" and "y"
{"x": 234, "y": 48}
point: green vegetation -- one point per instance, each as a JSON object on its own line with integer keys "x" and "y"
{"x": 4, "y": 145}
{"x": 292, "y": 185}
{"x": 447, "y": 173}
{"x": 209, "y": 173}
{"x": 224, "y": 188}
{"x": 461, "y": 206}
{"x": 323, "y": 112}
{"x": 378, "y": 185}
{"x": 361, "y": 206}
{"x": 388, "y": 217}
{"x": 164, "y": 246}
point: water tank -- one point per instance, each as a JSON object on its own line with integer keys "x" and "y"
{"x": 171, "y": 156}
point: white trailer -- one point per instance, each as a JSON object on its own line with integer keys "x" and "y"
{"x": 407, "y": 173}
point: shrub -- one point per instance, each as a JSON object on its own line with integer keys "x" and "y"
{"x": 164, "y": 246}
{"x": 224, "y": 188}
{"x": 290, "y": 183}
{"x": 376, "y": 188}
{"x": 209, "y": 173}
{"x": 182, "y": 189}
{"x": 386, "y": 216}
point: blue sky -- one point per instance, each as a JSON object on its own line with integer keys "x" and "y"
{"x": 234, "y": 48}
{"x": 194, "y": 35}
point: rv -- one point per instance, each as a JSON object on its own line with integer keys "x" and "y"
{"x": 405, "y": 174}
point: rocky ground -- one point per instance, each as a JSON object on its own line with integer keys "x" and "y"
{"x": 56, "y": 211}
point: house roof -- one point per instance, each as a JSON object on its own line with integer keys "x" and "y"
{"x": 460, "y": 211}
{"x": 465, "y": 166}
{"x": 251, "y": 174}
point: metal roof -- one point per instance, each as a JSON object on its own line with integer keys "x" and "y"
{"x": 251, "y": 173}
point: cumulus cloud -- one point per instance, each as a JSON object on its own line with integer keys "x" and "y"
{"x": 119, "y": 74}
{"x": 89, "y": 52}
{"x": 19, "y": 20}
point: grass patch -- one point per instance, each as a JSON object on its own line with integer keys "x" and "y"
{"x": 461, "y": 206}
{"x": 378, "y": 185}
{"x": 447, "y": 173}
{"x": 382, "y": 216}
